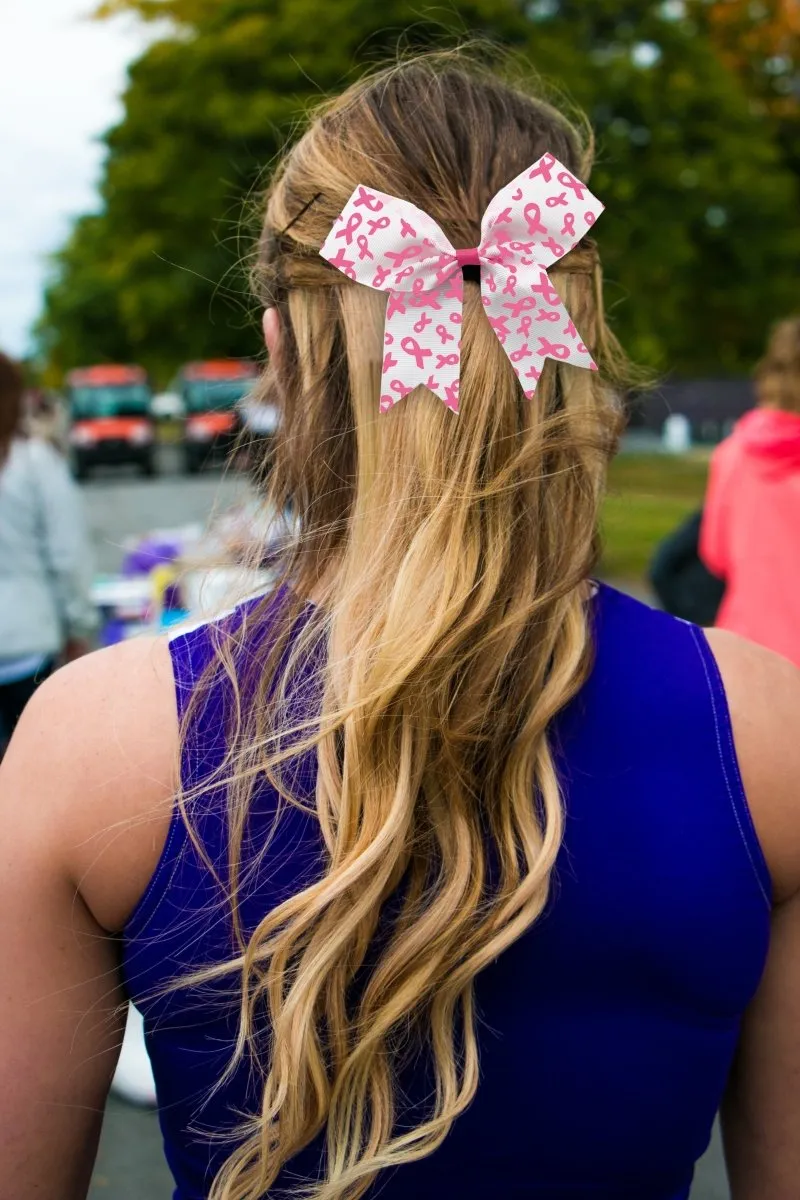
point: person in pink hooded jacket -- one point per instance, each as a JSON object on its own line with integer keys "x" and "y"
{"x": 750, "y": 536}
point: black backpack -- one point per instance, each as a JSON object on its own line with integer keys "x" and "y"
{"x": 684, "y": 585}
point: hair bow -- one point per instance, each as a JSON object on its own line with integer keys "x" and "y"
{"x": 393, "y": 246}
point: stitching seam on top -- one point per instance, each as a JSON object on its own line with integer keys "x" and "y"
{"x": 696, "y": 635}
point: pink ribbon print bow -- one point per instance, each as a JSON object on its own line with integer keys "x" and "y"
{"x": 393, "y": 246}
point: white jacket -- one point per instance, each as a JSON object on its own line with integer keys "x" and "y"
{"x": 45, "y": 562}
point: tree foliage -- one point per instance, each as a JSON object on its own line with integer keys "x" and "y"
{"x": 700, "y": 238}
{"x": 760, "y": 41}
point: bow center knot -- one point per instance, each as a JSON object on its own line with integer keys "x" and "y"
{"x": 468, "y": 258}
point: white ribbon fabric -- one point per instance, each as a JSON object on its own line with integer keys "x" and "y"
{"x": 393, "y": 246}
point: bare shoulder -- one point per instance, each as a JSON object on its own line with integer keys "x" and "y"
{"x": 91, "y": 773}
{"x": 763, "y": 692}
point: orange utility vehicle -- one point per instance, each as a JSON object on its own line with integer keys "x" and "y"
{"x": 111, "y": 421}
{"x": 211, "y": 393}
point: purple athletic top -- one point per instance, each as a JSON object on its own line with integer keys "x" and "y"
{"x": 606, "y": 1032}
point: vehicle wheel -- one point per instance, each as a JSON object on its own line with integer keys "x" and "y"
{"x": 147, "y": 466}
{"x": 191, "y": 463}
{"x": 80, "y": 468}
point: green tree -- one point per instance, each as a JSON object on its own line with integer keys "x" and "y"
{"x": 155, "y": 276}
{"x": 700, "y": 237}
{"x": 760, "y": 41}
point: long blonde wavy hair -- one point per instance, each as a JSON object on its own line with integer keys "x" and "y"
{"x": 778, "y": 373}
{"x": 449, "y": 559}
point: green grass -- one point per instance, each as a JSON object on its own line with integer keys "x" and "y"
{"x": 648, "y": 495}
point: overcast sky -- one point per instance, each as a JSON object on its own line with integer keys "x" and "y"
{"x": 60, "y": 84}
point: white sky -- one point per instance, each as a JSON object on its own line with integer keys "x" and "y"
{"x": 60, "y": 84}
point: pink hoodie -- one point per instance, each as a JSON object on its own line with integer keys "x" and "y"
{"x": 750, "y": 535}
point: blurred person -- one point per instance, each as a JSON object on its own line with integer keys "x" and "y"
{"x": 440, "y": 870}
{"x": 750, "y": 536}
{"x": 681, "y": 581}
{"x": 46, "y": 419}
{"x": 46, "y": 611}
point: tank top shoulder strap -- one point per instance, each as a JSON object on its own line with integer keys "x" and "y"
{"x": 662, "y": 674}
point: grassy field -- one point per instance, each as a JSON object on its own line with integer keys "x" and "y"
{"x": 648, "y": 495}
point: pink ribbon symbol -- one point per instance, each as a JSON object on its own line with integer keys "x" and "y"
{"x": 396, "y": 304}
{"x": 544, "y": 168}
{"x": 545, "y": 289}
{"x": 399, "y": 257}
{"x": 407, "y": 255}
{"x": 419, "y": 353}
{"x": 499, "y": 325}
{"x": 420, "y": 298}
{"x": 569, "y": 181}
{"x": 534, "y": 222}
{"x": 553, "y": 246}
{"x": 350, "y": 228}
{"x": 367, "y": 199}
{"x": 344, "y": 264}
{"x": 518, "y": 306}
{"x": 455, "y": 288}
{"x": 552, "y": 349}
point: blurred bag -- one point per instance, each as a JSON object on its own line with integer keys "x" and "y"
{"x": 684, "y": 585}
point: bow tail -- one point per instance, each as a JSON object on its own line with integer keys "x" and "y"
{"x": 532, "y": 324}
{"x": 422, "y": 343}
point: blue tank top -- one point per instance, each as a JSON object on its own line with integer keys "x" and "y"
{"x": 606, "y": 1032}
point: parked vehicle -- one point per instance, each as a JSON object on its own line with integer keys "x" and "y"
{"x": 211, "y": 393}
{"x": 166, "y": 406}
{"x": 110, "y": 419}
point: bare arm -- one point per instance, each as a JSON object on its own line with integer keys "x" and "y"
{"x": 84, "y": 804}
{"x": 761, "y": 1111}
